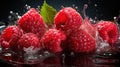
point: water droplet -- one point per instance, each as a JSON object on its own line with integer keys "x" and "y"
{"x": 73, "y": 5}
{"x": 11, "y": 12}
{"x": 9, "y": 17}
{"x": 85, "y": 6}
{"x": 38, "y": 9}
{"x": 7, "y": 54}
{"x": 62, "y": 6}
{"x": 72, "y": 53}
{"x": 0, "y": 49}
{"x": 95, "y": 5}
{"x": 76, "y": 7}
{"x": 27, "y": 7}
{"x": 13, "y": 17}
{"x": 46, "y": 53}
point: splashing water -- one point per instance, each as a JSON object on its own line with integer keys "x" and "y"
{"x": 27, "y": 7}
{"x": 103, "y": 48}
{"x": 0, "y": 49}
{"x": 75, "y": 7}
{"x": 84, "y": 10}
{"x": 31, "y": 53}
{"x": 13, "y": 17}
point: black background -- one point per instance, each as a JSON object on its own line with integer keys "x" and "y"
{"x": 106, "y": 9}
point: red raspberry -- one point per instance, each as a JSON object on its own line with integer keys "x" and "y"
{"x": 33, "y": 22}
{"x": 52, "y": 40}
{"x": 108, "y": 31}
{"x": 83, "y": 40}
{"x": 29, "y": 40}
{"x": 10, "y": 36}
{"x": 68, "y": 20}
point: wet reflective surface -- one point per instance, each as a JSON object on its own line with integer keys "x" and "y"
{"x": 60, "y": 60}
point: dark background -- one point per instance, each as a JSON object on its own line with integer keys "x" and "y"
{"x": 105, "y": 9}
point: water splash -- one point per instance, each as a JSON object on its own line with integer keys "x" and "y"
{"x": 13, "y": 17}
{"x": 101, "y": 44}
{"x": 73, "y": 6}
{"x": 84, "y": 10}
{"x": 31, "y": 53}
{"x": 0, "y": 49}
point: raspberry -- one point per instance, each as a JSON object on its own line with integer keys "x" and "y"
{"x": 29, "y": 40}
{"x": 81, "y": 42}
{"x": 33, "y": 22}
{"x": 83, "y": 39}
{"x": 10, "y": 36}
{"x": 52, "y": 40}
{"x": 68, "y": 20}
{"x": 108, "y": 31}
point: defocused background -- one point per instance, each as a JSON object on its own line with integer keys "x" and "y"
{"x": 102, "y": 9}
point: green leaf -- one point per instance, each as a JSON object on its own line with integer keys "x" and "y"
{"x": 48, "y": 13}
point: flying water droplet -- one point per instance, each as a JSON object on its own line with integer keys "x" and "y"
{"x": 95, "y": 5}
{"x": 75, "y": 7}
{"x": 38, "y": 9}
{"x": 62, "y": 6}
{"x": 27, "y": 7}
{"x": 13, "y": 17}
{"x": 11, "y": 12}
